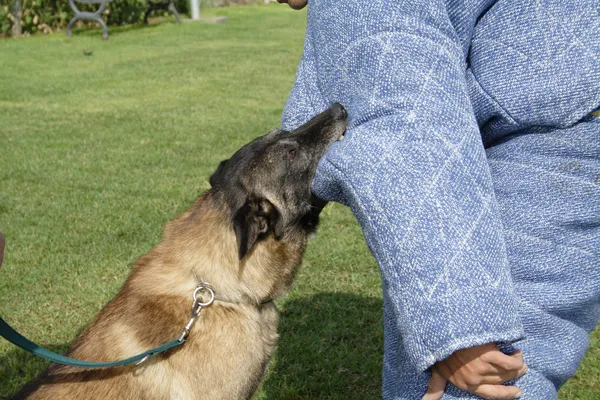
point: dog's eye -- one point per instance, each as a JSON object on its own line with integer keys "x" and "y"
{"x": 292, "y": 154}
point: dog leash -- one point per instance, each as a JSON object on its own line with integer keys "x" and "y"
{"x": 7, "y": 332}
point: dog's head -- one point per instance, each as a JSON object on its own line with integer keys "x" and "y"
{"x": 267, "y": 183}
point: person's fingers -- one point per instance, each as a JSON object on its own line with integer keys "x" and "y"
{"x": 437, "y": 384}
{"x": 495, "y": 375}
{"x": 497, "y": 392}
{"x": 523, "y": 370}
{"x": 513, "y": 361}
{"x": 498, "y": 379}
{"x": 490, "y": 369}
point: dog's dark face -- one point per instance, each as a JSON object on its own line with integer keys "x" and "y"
{"x": 267, "y": 182}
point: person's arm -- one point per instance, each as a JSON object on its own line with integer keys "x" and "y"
{"x": 412, "y": 168}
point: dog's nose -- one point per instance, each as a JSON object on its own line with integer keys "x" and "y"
{"x": 339, "y": 111}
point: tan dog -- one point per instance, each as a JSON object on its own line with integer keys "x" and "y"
{"x": 246, "y": 236}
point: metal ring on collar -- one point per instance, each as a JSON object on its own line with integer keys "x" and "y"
{"x": 198, "y": 302}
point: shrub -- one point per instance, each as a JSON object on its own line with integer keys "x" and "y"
{"x": 46, "y": 16}
{"x": 36, "y": 15}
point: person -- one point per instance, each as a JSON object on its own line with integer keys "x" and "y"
{"x": 472, "y": 163}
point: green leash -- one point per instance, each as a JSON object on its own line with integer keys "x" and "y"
{"x": 7, "y": 332}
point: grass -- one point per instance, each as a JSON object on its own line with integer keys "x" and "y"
{"x": 98, "y": 152}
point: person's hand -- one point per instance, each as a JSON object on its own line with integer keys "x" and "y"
{"x": 480, "y": 370}
{"x": 295, "y": 4}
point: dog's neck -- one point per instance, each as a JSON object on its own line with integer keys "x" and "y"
{"x": 201, "y": 243}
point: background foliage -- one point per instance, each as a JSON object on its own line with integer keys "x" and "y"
{"x": 36, "y": 15}
{"x": 46, "y": 16}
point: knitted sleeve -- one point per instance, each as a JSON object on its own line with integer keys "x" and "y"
{"x": 412, "y": 168}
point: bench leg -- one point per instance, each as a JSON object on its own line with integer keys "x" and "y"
{"x": 174, "y": 11}
{"x": 104, "y": 28}
{"x": 146, "y": 14}
{"x": 71, "y": 23}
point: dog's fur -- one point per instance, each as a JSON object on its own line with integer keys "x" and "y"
{"x": 246, "y": 236}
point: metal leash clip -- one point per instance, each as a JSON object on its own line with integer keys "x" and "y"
{"x": 197, "y": 307}
{"x": 142, "y": 360}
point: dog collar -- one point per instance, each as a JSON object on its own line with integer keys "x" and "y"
{"x": 242, "y": 302}
{"x": 202, "y": 283}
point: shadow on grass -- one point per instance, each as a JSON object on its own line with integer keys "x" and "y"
{"x": 17, "y": 367}
{"x": 330, "y": 347}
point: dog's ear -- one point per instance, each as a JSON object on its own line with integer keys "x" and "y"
{"x": 215, "y": 177}
{"x": 253, "y": 221}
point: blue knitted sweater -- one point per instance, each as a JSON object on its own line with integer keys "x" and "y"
{"x": 472, "y": 163}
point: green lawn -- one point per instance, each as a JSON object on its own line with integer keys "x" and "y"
{"x": 98, "y": 152}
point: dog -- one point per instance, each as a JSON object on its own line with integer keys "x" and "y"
{"x": 245, "y": 236}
